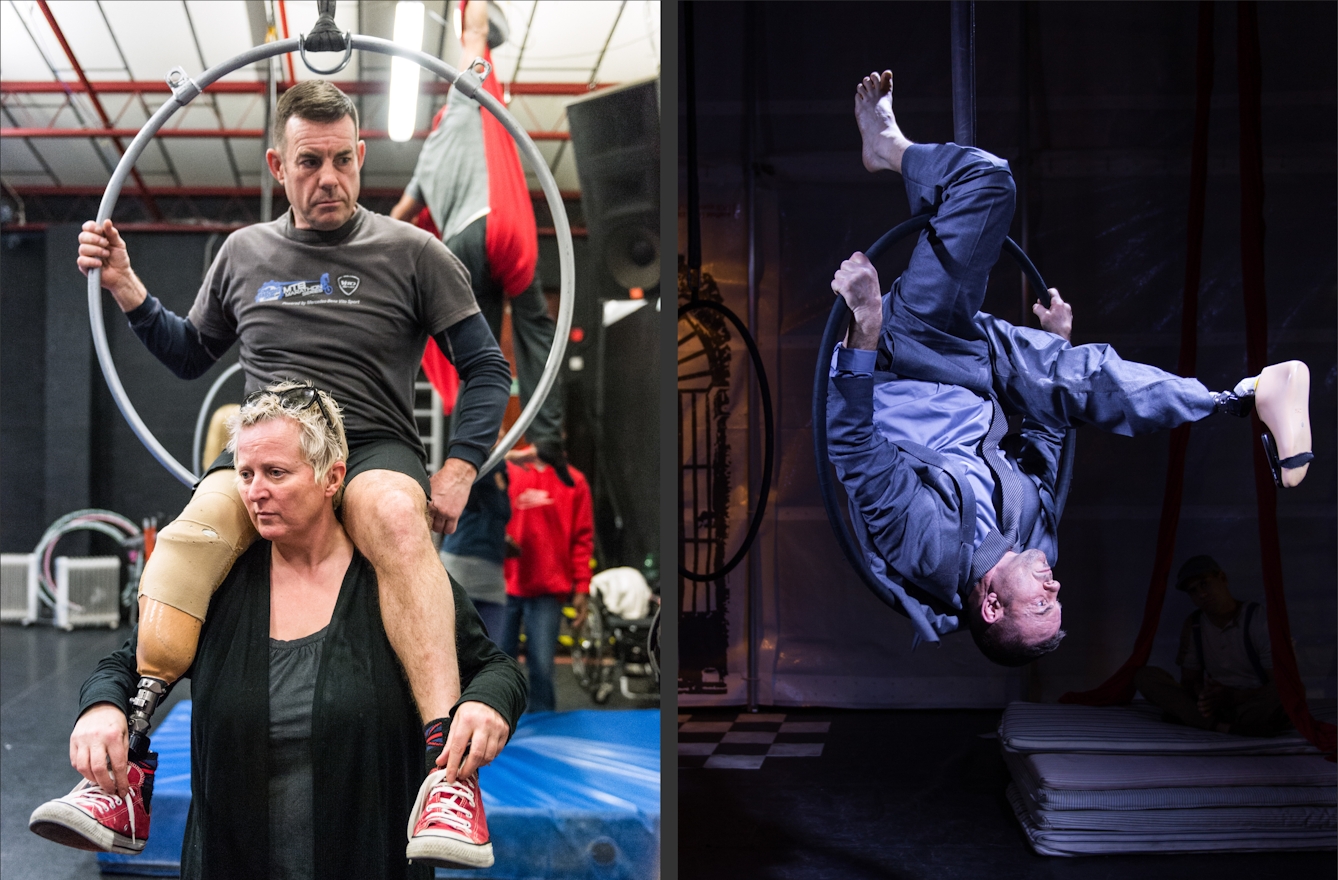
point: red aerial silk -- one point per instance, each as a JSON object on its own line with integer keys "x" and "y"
{"x": 1119, "y": 688}
{"x": 512, "y": 237}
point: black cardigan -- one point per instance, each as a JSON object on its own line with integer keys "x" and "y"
{"x": 369, "y": 756}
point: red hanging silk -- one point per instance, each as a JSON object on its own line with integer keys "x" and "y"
{"x": 1119, "y": 688}
{"x": 1285, "y": 673}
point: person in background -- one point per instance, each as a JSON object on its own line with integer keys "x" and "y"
{"x": 1225, "y": 659}
{"x": 552, "y": 523}
{"x": 468, "y": 188}
{"x": 473, "y": 554}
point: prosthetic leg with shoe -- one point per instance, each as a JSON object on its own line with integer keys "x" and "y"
{"x": 190, "y": 560}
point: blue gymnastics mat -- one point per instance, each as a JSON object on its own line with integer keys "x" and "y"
{"x": 573, "y": 795}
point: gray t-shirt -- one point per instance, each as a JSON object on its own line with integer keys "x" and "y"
{"x": 451, "y": 176}
{"x": 349, "y": 311}
{"x": 292, "y": 686}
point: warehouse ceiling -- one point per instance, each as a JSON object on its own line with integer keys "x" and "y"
{"x": 557, "y": 50}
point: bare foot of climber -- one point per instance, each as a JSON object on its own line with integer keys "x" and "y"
{"x": 1282, "y": 399}
{"x": 883, "y": 141}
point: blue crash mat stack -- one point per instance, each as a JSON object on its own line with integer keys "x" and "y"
{"x": 573, "y": 795}
{"x": 1091, "y": 780}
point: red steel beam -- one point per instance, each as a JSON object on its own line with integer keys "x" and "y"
{"x": 570, "y": 195}
{"x": 283, "y": 16}
{"x": 544, "y": 231}
{"x": 258, "y": 133}
{"x": 232, "y": 87}
{"x": 97, "y": 104}
{"x": 42, "y": 226}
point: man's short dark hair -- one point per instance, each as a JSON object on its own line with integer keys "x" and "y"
{"x": 1003, "y": 644}
{"x": 314, "y": 100}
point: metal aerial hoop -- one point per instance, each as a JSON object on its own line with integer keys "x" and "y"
{"x": 326, "y": 37}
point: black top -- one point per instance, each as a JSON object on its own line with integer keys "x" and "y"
{"x": 292, "y": 686}
{"x": 366, "y": 736}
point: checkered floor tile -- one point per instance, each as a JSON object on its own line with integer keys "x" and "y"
{"x": 745, "y": 741}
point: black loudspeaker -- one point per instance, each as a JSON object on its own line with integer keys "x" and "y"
{"x": 615, "y": 135}
{"x": 627, "y": 422}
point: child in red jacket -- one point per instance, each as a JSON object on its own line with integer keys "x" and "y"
{"x": 553, "y": 524}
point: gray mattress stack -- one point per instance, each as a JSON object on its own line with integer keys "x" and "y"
{"x": 1091, "y": 780}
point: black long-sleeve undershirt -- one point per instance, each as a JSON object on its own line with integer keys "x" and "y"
{"x": 485, "y": 378}
{"x": 468, "y": 344}
{"x": 174, "y": 340}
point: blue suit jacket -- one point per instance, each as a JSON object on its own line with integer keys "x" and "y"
{"x": 914, "y": 515}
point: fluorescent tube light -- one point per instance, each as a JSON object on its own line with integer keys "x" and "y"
{"x": 403, "y": 112}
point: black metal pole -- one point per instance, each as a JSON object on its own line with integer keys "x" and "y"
{"x": 690, "y": 87}
{"x": 754, "y": 432}
{"x": 964, "y": 72}
{"x": 1022, "y": 173}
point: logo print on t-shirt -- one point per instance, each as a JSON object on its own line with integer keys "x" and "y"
{"x": 348, "y": 284}
{"x": 275, "y": 290}
{"x": 532, "y": 498}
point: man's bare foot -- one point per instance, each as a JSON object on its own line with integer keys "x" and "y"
{"x": 1282, "y": 400}
{"x": 884, "y": 143}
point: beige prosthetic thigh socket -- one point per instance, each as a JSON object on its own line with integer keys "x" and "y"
{"x": 191, "y": 558}
{"x": 216, "y": 437}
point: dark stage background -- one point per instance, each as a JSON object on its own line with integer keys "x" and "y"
{"x": 1102, "y": 160}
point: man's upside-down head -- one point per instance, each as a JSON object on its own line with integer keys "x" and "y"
{"x": 1013, "y": 611}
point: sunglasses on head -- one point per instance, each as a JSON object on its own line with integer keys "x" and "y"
{"x": 298, "y": 398}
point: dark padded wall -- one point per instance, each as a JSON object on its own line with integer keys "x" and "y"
{"x": 66, "y": 365}
{"x": 22, "y": 390}
{"x": 1112, "y": 87}
{"x": 126, "y": 477}
{"x": 65, "y": 445}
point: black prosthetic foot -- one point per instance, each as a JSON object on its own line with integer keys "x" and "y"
{"x": 1276, "y": 465}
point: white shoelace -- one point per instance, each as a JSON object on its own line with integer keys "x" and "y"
{"x": 447, "y": 810}
{"x": 87, "y": 791}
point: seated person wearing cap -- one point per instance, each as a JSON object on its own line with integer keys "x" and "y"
{"x": 1225, "y": 659}
{"x": 306, "y": 750}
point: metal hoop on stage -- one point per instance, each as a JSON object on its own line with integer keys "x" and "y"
{"x": 184, "y": 89}
{"x": 769, "y": 428}
{"x": 834, "y": 331}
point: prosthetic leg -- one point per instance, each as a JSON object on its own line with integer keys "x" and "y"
{"x": 1281, "y": 395}
{"x": 1282, "y": 398}
{"x": 192, "y": 557}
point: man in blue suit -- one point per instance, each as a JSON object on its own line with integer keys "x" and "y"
{"x": 955, "y": 516}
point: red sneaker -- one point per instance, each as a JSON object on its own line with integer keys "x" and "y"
{"x": 91, "y": 818}
{"x": 447, "y": 828}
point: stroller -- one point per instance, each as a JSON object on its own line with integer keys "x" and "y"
{"x": 619, "y": 640}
